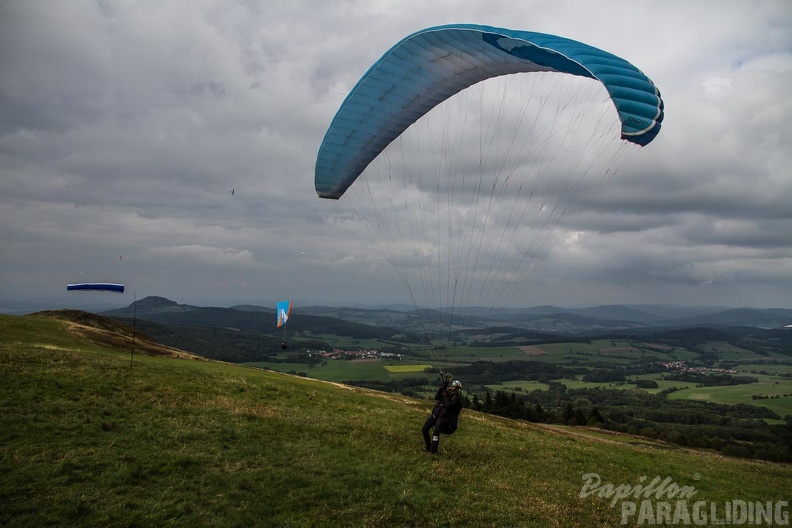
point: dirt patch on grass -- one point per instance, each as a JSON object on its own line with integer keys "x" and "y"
{"x": 107, "y": 332}
{"x": 657, "y": 346}
{"x": 532, "y": 351}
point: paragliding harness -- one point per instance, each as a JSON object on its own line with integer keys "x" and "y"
{"x": 445, "y": 380}
{"x": 440, "y": 410}
{"x": 445, "y": 414}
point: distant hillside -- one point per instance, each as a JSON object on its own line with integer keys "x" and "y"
{"x": 160, "y": 310}
{"x": 387, "y": 317}
{"x": 619, "y": 313}
{"x": 89, "y": 442}
{"x": 581, "y": 320}
{"x": 221, "y": 344}
{"x": 537, "y": 318}
{"x": 767, "y": 318}
{"x": 578, "y": 323}
{"x": 249, "y": 333}
{"x": 626, "y": 316}
{"x": 593, "y": 316}
{"x": 106, "y": 332}
{"x": 671, "y": 311}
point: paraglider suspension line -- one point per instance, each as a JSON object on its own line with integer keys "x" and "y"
{"x": 134, "y": 326}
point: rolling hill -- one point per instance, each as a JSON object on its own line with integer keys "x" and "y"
{"x": 248, "y": 333}
{"x": 165, "y": 311}
{"x": 87, "y": 441}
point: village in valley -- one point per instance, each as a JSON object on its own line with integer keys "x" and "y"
{"x": 358, "y": 354}
{"x": 681, "y": 366}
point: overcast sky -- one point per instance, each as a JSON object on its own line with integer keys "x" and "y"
{"x": 125, "y": 124}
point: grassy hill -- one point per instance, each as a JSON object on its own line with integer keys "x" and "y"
{"x": 88, "y": 440}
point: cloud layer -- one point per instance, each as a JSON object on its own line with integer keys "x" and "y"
{"x": 124, "y": 127}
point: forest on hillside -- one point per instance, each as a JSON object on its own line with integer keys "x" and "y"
{"x": 739, "y": 430}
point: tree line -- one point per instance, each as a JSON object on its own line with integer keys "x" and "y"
{"x": 733, "y": 430}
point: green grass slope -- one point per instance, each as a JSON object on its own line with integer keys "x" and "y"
{"x": 85, "y": 440}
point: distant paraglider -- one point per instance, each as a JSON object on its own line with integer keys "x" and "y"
{"x": 96, "y": 286}
{"x": 283, "y": 310}
{"x": 112, "y": 288}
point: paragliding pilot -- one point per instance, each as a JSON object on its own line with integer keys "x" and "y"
{"x": 284, "y": 345}
{"x": 445, "y": 415}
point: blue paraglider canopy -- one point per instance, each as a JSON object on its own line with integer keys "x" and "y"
{"x": 433, "y": 64}
{"x": 96, "y": 286}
